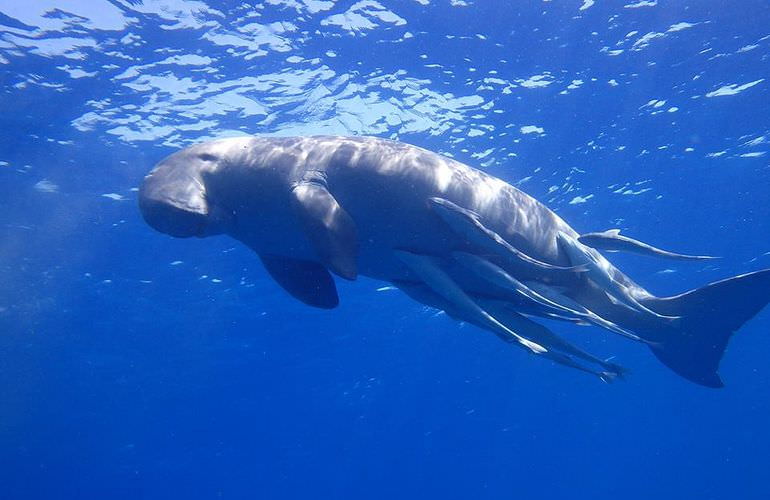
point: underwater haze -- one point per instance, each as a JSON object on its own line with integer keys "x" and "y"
{"x": 138, "y": 366}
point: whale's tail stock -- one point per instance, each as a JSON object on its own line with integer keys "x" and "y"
{"x": 709, "y": 317}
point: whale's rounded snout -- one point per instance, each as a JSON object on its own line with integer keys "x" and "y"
{"x": 174, "y": 202}
{"x": 172, "y": 220}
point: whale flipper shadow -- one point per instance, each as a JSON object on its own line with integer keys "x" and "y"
{"x": 306, "y": 281}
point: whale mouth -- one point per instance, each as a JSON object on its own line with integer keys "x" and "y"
{"x": 173, "y": 220}
{"x": 172, "y": 200}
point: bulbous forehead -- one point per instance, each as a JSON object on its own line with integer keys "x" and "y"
{"x": 199, "y": 155}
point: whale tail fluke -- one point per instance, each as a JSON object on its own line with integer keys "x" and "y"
{"x": 709, "y": 317}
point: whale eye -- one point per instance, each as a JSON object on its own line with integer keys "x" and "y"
{"x": 207, "y": 157}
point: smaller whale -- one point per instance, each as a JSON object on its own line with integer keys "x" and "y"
{"x": 553, "y": 347}
{"x": 497, "y": 276}
{"x": 442, "y": 284}
{"x": 599, "y": 273}
{"x": 467, "y": 223}
{"x": 580, "y": 311}
{"x": 612, "y": 241}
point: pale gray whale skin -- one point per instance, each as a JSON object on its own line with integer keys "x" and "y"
{"x": 449, "y": 235}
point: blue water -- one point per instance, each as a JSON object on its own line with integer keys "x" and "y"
{"x": 134, "y": 365}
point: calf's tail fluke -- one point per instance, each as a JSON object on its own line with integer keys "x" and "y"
{"x": 709, "y": 317}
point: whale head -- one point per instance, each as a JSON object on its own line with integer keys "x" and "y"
{"x": 173, "y": 198}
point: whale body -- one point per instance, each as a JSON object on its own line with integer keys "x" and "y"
{"x": 450, "y": 236}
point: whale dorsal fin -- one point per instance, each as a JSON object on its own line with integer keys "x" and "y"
{"x": 306, "y": 281}
{"x": 330, "y": 229}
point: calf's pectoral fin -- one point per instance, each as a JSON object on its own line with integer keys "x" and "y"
{"x": 306, "y": 281}
{"x": 331, "y": 231}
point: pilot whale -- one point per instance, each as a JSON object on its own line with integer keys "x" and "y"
{"x": 448, "y": 235}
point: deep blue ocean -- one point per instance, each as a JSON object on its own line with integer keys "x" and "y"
{"x": 135, "y": 365}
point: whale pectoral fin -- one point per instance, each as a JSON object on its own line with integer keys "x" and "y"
{"x": 330, "y": 229}
{"x": 612, "y": 241}
{"x": 467, "y": 224}
{"x": 306, "y": 281}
